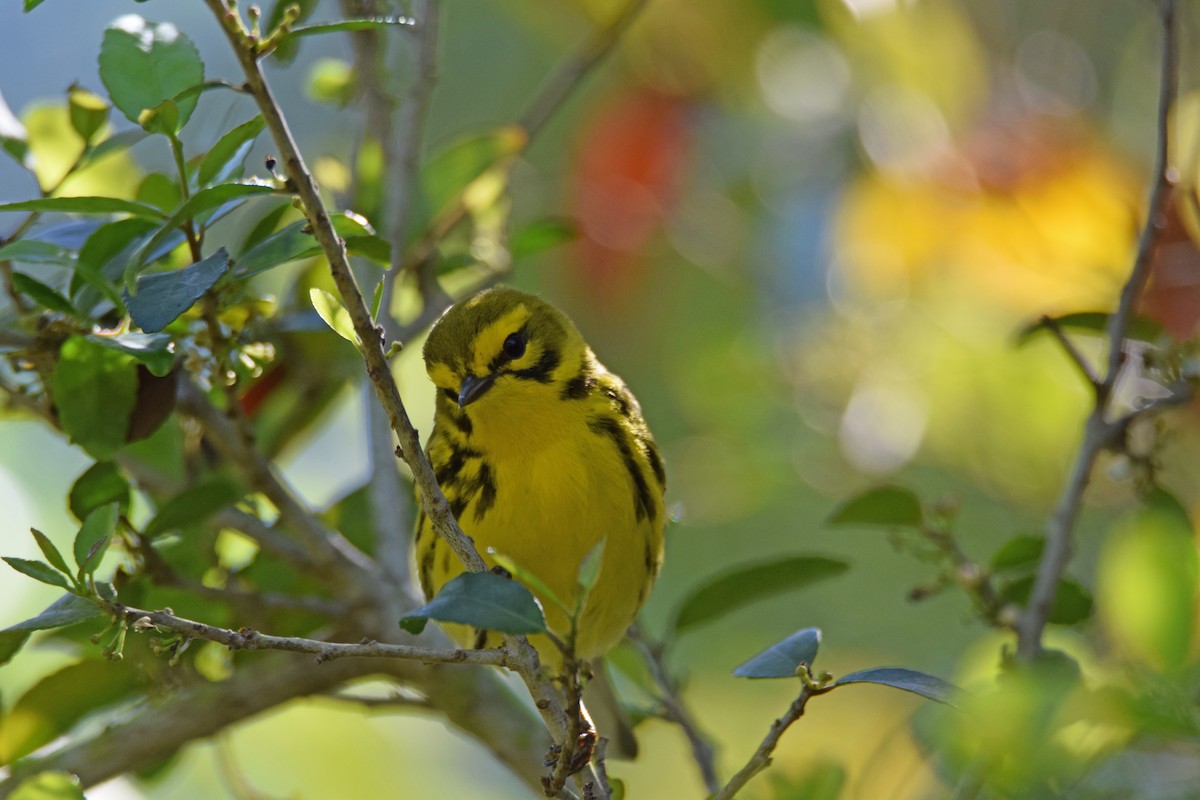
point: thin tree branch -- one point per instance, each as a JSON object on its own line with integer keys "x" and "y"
{"x": 1077, "y": 358}
{"x": 1098, "y": 431}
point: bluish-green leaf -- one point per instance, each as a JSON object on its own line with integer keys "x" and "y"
{"x": 94, "y": 536}
{"x": 153, "y": 350}
{"x": 85, "y": 205}
{"x": 31, "y": 251}
{"x": 890, "y": 506}
{"x": 194, "y": 505}
{"x": 41, "y": 294}
{"x": 100, "y": 484}
{"x": 295, "y": 242}
{"x": 38, "y": 570}
{"x": 782, "y": 659}
{"x": 95, "y": 389}
{"x": 50, "y": 551}
{"x": 11, "y": 643}
{"x": 748, "y": 583}
{"x": 909, "y": 680}
{"x": 163, "y": 296}
{"x": 144, "y": 63}
{"x": 66, "y": 610}
{"x": 484, "y": 601}
{"x": 230, "y": 150}
{"x": 103, "y": 258}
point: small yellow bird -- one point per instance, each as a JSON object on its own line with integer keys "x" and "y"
{"x": 542, "y": 453}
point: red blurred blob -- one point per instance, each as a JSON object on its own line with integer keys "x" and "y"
{"x": 1172, "y": 297}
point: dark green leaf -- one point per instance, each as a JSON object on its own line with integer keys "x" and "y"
{"x": 194, "y": 505}
{"x": 14, "y": 140}
{"x": 751, "y": 582}
{"x": 1072, "y": 602}
{"x": 229, "y": 151}
{"x": 50, "y": 551}
{"x": 89, "y": 111}
{"x": 38, "y": 570}
{"x": 452, "y": 169}
{"x": 49, "y": 785}
{"x": 484, "y": 601}
{"x": 30, "y": 5}
{"x": 365, "y": 24}
{"x": 909, "y": 680}
{"x": 60, "y": 700}
{"x": 376, "y": 248}
{"x": 288, "y": 48}
{"x": 294, "y": 243}
{"x": 103, "y": 258}
{"x": 85, "y": 205}
{"x": 889, "y": 506}
{"x": 31, "y": 251}
{"x": 41, "y": 294}
{"x": 1018, "y": 553}
{"x": 1160, "y": 501}
{"x": 160, "y": 191}
{"x": 102, "y": 483}
{"x": 143, "y": 63}
{"x": 265, "y": 226}
{"x": 66, "y": 610}
{"x": 94, "y": 536}
{"x": 782, "y": 659}
{"x": 163, "y": 296}
{"x": 1096, "y": 323}
{"x": 11, "y": 643}
{"x": 151, "y": 349}
{"x": 541, "y": 235}
{"x": 95, "y": 389}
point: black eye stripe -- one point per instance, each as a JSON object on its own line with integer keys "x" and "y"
{"x": 513, "y": 348}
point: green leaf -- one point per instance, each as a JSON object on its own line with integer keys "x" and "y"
{"x": 1095, "y": 323}
{"x": 364, "y": 24}
{"x": 1072, "y": 602}
{"x": 11, "y": 643}
{"x": 163, "y": 296}
{"x": 889, "y": 506}
{"x": 748, "y": 583}
{"x": 296, "y": 242}
{"x": 42, "y": 294}
{"x": 450, "y": 171}
{"x": 94, "y": 536}
{"x": 95, "y": 390}
{"x": 194, "y": 505}
{"x": 49, "y": 785}
{"x": 14, "y": 139}
{"x": 85, "y": 205}
{"x": 144, "y": 63}
{"x": 484, "y": 601}
{"x": 334, "y": 313}
{"x": 70, "y": 609}
{"x": 287, "y": 49}
{"x": 100, "y": 484}
{"x": 30, "y": 5}
{"x": 163, "y": 118}
{"x": 1019, "y": 553}
{"x": 783, "y": 659}
{"x": 230, "y": 150}
{"x": 89, "y": 111}
{"x": 50, "y": 551}
{"x": 541, "y": 235}
{"x": 153, "y": 350}
{"x": 38, "y": 570}
{"x": 909, "y": 680}
{"x": 159, "y": 190}
{"x": 103, "y": 258}
{"x": 60, "y": 700}
{"x": 31, "y": 251}
{"x": 113, "y": 144}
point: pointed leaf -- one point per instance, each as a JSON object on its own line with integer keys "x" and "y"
{"x": 95, "y": 390}
{"x": 85, "y": 205}
{"x": 1096, "y": 323}
{"x": 14, "y": 140}
{"x": 32, "y": 251}
{"x": 66, "y": 610}
{"x": 296, "y": 242}
{"x": 153, "y": 350}
{"x": 1018, "y": 553}
{"x": 11, "y": 643}
{"x": 334, "y": 313}
{"x": 94, "y": 535}
{"x": 194, "y": 505}
{"x": 909, "y": 680}
{"x": 541, "y": 235}
{"x": 89, "y": 111}
{"x": 884, "y": 505}
{"x": 144, "y": 63}
{"x": 38, "y": 570}
{"x": 484, "y": 601}
{"x": 750, "y": 582}
{"x": 229, "y": 151}
{"x": 102, "y": 483}
{"x": 42, "y": 294}
{"x": 50, "y": 551}
{"x": 364, "y": 24}
{"x": 163, "y": 296}
{"x": 782, "y": 659}
{"x": 1072, "y": 601}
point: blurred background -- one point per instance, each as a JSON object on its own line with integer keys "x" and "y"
{"x": 809, "y": 235}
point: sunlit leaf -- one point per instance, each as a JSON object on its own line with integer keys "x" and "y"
{"x": 143, "y": 64}
{"x": 782, "y": 659}
{"x": 748, "y": 583}
{"x": 49, "y": 786}
{"x": 85, "y": 205}
{"x": 153, "y": 350}
{"x": 95, "y": 389}
{"x": 889, "y": 506}
{"x": 334, "y": 313}
{"x": 484, "y": 601}
{"x": 229, "y": 151}
{"x": 364, "y": 24}
{"x": 88, "y": 111}
{"x": 163, "y": 296}
{"x": 909, "y": 680}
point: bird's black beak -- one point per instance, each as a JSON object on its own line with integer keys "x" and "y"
{"x": 473, "y": 389}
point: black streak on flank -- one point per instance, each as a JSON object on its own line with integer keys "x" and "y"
{"x": 448, "y": 474}
{"x": 427, "y": 572}
{"x": 579, "y": 387}
{"x": 485, "y": 486}
{"x": 656, "y": 463}
{"x": 449, "y": 410}
{"x": 642, "y": 501}
{"x": 540, "y": 371}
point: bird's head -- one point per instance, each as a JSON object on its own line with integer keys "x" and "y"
{"x": 502, "y": 347}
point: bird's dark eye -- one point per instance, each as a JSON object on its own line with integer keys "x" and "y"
{"x": 514, "y": 345}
